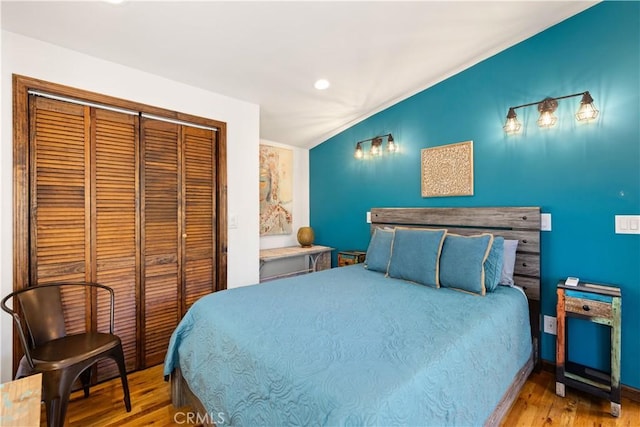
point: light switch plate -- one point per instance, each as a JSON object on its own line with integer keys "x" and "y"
{"x": 545, "y": 222}
{"x": 627, "y": 224}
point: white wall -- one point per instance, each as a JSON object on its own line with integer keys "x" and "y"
{"x": 5, "y": 208}
{"x": 33, "y": 58}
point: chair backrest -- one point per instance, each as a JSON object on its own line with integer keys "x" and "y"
{"x": 42, "y": 313}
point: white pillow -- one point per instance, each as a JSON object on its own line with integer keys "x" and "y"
{"x": 508, "y": 262}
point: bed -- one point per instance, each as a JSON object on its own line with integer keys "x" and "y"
{"x": 354, "y": 346}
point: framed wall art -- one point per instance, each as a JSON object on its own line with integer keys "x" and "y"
{"x": 276, "y": 190}
{"x": 447, "y": 170}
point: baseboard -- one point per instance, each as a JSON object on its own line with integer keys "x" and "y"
{"x": 626, "y": 391}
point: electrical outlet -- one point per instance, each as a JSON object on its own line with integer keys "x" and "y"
{"x": 550, "y": 325}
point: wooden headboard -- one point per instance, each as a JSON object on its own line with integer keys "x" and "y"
{"x": 514, "y": 223}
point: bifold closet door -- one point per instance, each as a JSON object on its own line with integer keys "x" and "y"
{"x": 127, "y": 202}
{"x": 199, "y": 147}
{"x": 178, "y": 226}
{"x": 83, "y": 225}
{"x": 122, "y": 194}
{"x": 161, "y": 235}
{"x": 60, "y": 203}
{"x": 114, "y": 152}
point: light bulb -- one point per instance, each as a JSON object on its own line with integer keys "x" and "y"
{"x": 359, "y": 153}
{"x": 547, "y": 119}
{"x": 512, "y": 125}
{"x": 546, "y": 109}
{"x": 587, "y": 112}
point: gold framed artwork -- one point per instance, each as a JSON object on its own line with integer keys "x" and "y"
{"x": 447, "y": 170}
{"x": 276, "y": 190}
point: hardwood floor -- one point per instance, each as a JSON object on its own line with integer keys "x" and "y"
{"x": 150, "y": 403}
{"x": 537, "y": 405}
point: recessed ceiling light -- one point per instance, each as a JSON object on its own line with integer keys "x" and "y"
{"x": 322, "y": 84}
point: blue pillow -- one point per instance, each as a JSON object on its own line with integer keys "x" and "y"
{"x": 462, "y": 262}
{"x": 415, "y": 255}
{"x": 493, "y": 265}
{"x": 379, "y": 250}
{"x": 509, "y": 261}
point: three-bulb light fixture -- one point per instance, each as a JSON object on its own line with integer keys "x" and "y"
{"x": 547, "y": 107}
{"x": 376, "y": 146}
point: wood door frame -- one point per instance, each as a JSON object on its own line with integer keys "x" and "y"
{"x": 21, "y": 192}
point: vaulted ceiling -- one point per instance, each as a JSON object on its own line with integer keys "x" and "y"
{"x": 374, "y": 53}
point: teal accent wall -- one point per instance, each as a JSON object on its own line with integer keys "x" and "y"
{"x": 583, "y": 174}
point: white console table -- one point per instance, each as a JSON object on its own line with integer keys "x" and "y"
{"x": 319, "y": 258}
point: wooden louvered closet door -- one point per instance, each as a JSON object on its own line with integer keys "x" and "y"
{"x": 115, "y": 226}
{"x": 199, "y": 147}
{"x": 84, "y": 214}
{"x": 104, "y": 193}
{"x": 178, "y": 226}
{"x": 160, "y": 236}
{"x": 60, "y": 203}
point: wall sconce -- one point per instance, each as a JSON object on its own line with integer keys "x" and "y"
{"x": 376, "y": 146}
{"x": 547, "y": 107}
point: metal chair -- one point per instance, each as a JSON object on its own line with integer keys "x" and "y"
{"x": 60, "y": 357}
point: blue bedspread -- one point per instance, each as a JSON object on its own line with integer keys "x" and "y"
{"x": 348, "y": 346}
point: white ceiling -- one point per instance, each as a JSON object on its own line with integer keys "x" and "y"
{"x": 374, "y": 53}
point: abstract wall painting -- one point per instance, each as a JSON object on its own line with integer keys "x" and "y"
{"x": 276, "y": 190}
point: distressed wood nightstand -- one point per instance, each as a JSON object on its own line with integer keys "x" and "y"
{"x": 20, "y": 401}
{"x": 595, "y": 303}
{"x": 350, "y": 257}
